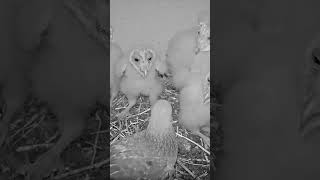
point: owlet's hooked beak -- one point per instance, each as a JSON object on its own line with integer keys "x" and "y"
{"x": 142, "y": 60}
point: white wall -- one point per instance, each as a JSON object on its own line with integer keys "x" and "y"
{"x": 152, "y": 21}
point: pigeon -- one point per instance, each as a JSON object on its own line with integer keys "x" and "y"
{"x": 150, "y": 153}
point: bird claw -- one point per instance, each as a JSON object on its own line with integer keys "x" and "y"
{"x": 44, "y": 165}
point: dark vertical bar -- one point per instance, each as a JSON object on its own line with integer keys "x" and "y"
{"x": 261, "y": 72}
{"x": 108, "y": 89}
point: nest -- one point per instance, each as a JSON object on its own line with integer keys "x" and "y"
{"x": 193, "y": 158}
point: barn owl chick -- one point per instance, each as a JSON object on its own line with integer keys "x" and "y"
{"x": 115, "y": 54}
{"x": 310, "y": 121}
{"x": 195, "y": 106}
{"x": 70, "y": 76}
{"x": 138, "y": 73}
{"x": 151, "y": 153}
{"x": 182, "y": 49}
{"x": 195, "y": 99}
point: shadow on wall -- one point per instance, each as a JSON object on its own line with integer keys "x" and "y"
{"x": 152, "y": 21}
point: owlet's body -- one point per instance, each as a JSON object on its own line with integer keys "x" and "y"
{"x": 137, "y": 73}
{"x": 184, "y": 46}
{"x": 195, "y": 98}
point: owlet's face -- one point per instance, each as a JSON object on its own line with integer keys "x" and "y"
{"x": 142, "y": 60}
{"x": 206, "y": 89}
{"x": 203, "y": 37}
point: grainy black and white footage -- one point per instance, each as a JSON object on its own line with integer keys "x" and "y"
{"x": 160, "y": 62}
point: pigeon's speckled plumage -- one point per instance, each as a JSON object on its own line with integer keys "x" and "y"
{"x": 151, "y": 153}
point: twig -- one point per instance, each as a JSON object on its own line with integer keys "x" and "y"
{"x": 203, "y": 175}
{"x": 33, "y": 118}
{"x": 91, "y": 144}
{"x": 115, "y": 139}
{"x": 185, "y": 168}
{"x": 191, "y": 163}
{"x": 145, "y": 111}
{"x": 96, "y": 140}
{"x": 206, "y": 151}
{"x": 52, "y": 137}
{"x": 86, "y": 22}
{"x": 34, "y": 146}
{"x": 76, "y": 171}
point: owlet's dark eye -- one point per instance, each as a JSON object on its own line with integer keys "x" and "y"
{"x": 149, "y": 59}
{"x": 136, "y": 59}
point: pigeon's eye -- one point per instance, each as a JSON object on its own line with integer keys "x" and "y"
{"x": 136, "y": 59}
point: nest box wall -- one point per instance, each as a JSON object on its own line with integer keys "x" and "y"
{"x": 152, "y": 21}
